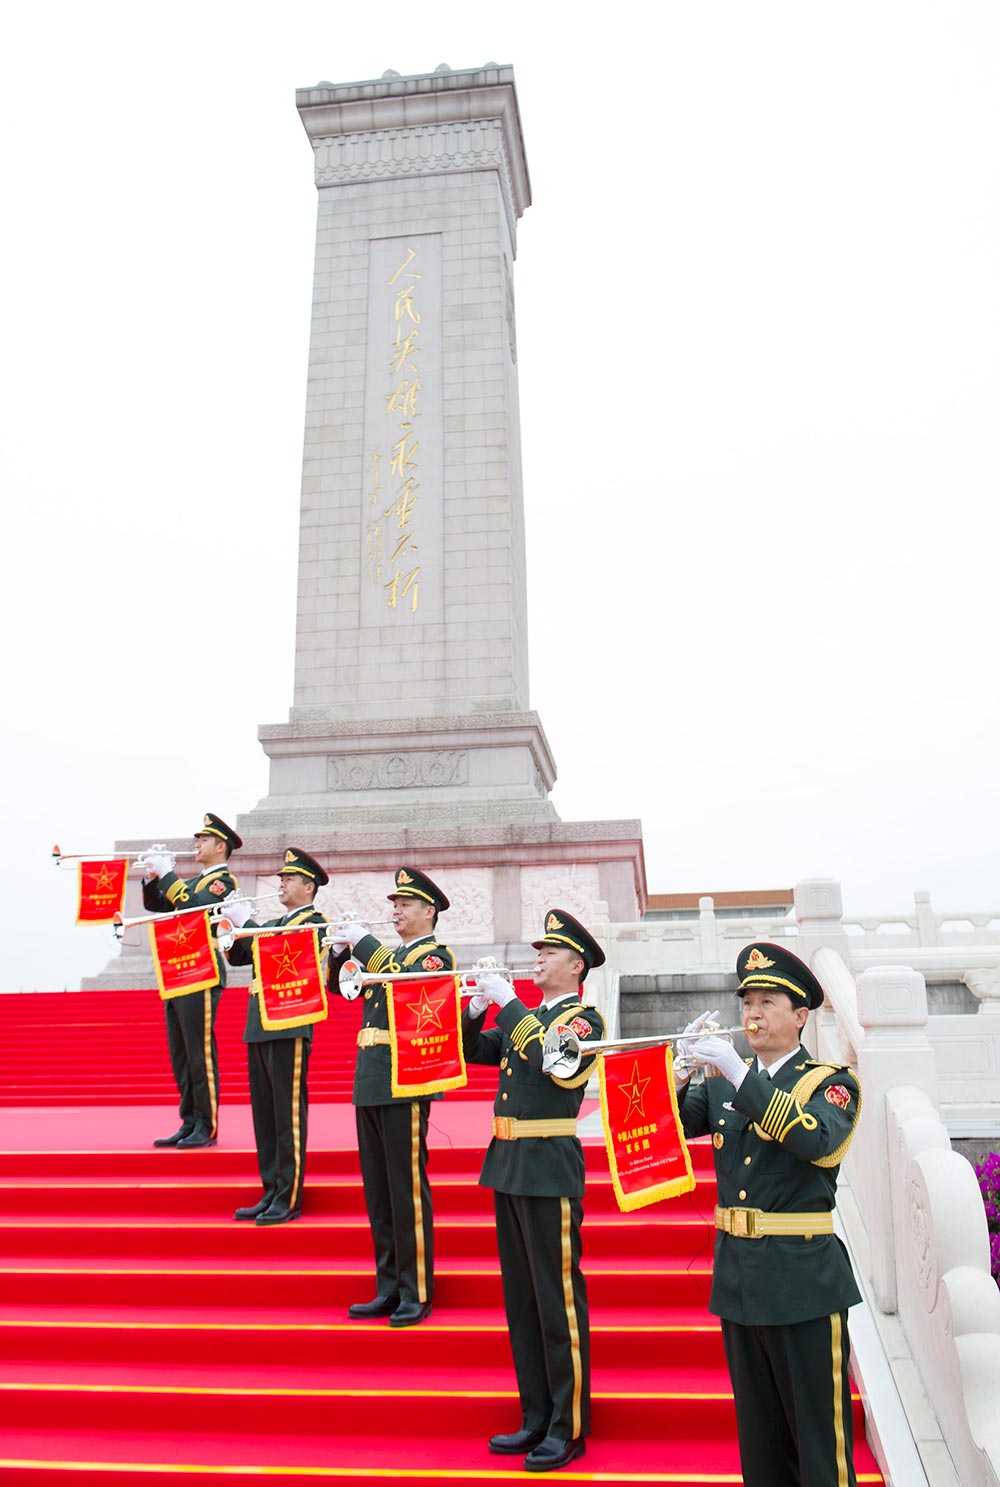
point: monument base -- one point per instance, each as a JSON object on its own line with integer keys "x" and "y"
{"x": 500, "y": 879}
{"x": 330, "y": 774}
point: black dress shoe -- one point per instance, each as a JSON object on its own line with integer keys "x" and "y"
{"x": 279, "y": 1215}
{"x": 254, "y": 1212}
{"x": 518, "y": 1443}
{"x": 367, "y": 1311}
{"x": 552, "y": 1453}
{"x": 198, "y": 1137}
{"x": 176, "y": 1138}
{"x": 409, "y": 1313}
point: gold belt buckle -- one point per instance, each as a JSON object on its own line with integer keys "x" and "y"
{"x": 744, "y": 1223}
{"x": 503, "y": 1127}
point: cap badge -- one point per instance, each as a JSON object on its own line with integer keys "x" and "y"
{"x": 552, "y": 923}
{"x": 403, "y": 876}
{"x": 758, "y": 961}
{"x": 290, "y": 856}
{"x": 208, "y": 820}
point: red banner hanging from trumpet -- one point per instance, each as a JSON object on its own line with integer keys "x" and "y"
{"x": 647, "y": 1153}
{"x": 289, "y": 979}
{"x": 426, "y": 1035}
{"x": 183, "y": 954}
{"x": 101, "y": 890}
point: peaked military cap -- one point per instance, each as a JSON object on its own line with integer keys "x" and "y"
{"x": 215, "y": 826}
{"x": 412, "y": 884}
{"x": 562, "y": 929}
{"x": 297, "y": 861}
{"x": 764, "y": 966}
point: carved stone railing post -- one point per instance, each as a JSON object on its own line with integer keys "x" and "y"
{"x": 819, "y": 908}
{"x": 709, "y": 931}
{"x": 895, "y": 1050}
{"x": 927, "y": 930}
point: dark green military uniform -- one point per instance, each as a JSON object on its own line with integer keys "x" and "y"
{"x": 277, "y": 1064}
{"x": 538, "y": 1184}
{"x": 392, "y": 1132}
{"x": 190, "y": 1018}
{"x": 783, "y": 1298}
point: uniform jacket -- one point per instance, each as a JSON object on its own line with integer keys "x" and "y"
{"x": 240, "y": 953}
{"x": 167, "y": 894}
{"x": 778, "y": 1147}
{"x": 536, "y": 1166}
{"x": 373, "y": 1069}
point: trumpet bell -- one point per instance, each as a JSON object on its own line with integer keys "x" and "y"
{"x": 560, "y": 1051}
{"x": 349, "y": 982}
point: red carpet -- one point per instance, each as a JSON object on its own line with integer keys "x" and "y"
{"x": 147, "y": 1338}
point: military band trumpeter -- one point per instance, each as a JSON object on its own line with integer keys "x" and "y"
{"x": 278, "y": 1058}
{"x": 190, "y": 1019}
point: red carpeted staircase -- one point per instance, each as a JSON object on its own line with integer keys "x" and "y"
{"x": 146, "y": 1338}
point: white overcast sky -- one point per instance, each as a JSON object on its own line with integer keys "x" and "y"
{"x": 758, "y": 302}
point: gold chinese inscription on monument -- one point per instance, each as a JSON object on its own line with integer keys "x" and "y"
{"x": 391, "y": 545}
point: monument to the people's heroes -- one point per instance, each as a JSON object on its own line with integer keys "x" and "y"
{"x": 410, "y": 737}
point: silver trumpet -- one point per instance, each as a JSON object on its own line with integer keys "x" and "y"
{"x": 215, "y": 912}
{"x": 563, "y": 1052}
{"x": 353, "y": 979}
{"x": 158, "y": 848}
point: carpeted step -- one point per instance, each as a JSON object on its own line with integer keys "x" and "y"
{"x": 660, "y": 1294}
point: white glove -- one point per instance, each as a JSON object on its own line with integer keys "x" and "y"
{"x": 495, "y": 989}
{"x": 477, "y": 1005}
{"x": 238, "y": 910}
{"x": 336, "y": 947}
{"x": 158, "y": 864}
{"x": 711, "y": 1049}
{"x": 684, "y": 1065}
{"x": 349, "y": 934}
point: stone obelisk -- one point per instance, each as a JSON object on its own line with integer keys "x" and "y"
{"x": 410, "y": 737}
{"x": 411, "y": 676}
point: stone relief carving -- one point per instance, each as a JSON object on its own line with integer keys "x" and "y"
{"x": 361, "y": 894}
{"x": 575, "y": 888}
{"x": 345, "y": 159}
{"x": 470, "y": 918}
{"x": 402, "y": 771}
{"x": 920, "y": 1233}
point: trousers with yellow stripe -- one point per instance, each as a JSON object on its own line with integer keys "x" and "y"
{"x": 545, "y": 1297}
{"x": 279, "y": 1101}
{"x": 793, "y": 1402}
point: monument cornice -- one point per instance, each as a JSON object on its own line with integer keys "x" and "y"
{"x": 477, "y": 730}
{"x": 425, "y": 102}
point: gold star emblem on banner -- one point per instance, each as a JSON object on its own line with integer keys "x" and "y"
{"x": 635, "y": 1093}
{"x": 287, "y": 964}
{"x": 182, "y": 935}
{"x": 426, "y": 1012}
{"x": 103, "y": 879}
